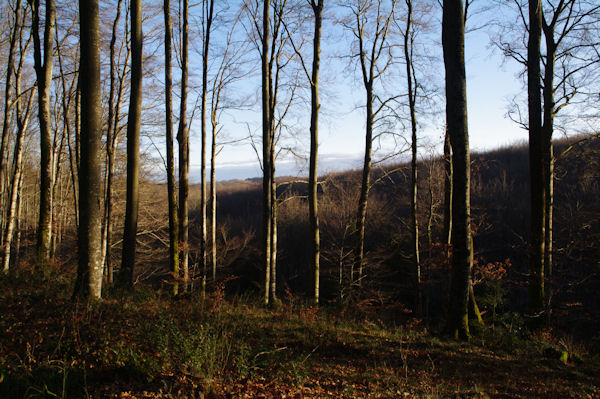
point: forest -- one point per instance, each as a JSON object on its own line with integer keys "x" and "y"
{"x": 130, "y": 270}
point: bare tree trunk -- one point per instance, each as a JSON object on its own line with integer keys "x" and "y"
{"x": 371, "y": 71}
{"x": 110, "y": 153}
{"x": 19, "y": 223}
{"x": 548, "y": 151}
{"x": 313, "y": 209}
{"x": 208, "y": 19}
{"x": 361, "y": 215}
{"x": 66, "y": 100}
{"x": 16, "y": 30}
{"x": 447, "y": 193}
{"x": 43, "y": 71}
{"x": 89, "y": 272}
{"x": 171, "y": 188}
{"x": 213, "y": 202}
{"x": 453, "y": 29}
{"x": 266, "y": 144}
{"x": 17, "y": 176}
{"x": 183, "y": 137}
{"x": 273, "y": 255}
{"x": 412, "y": 96}
{"x": 133, "y": 148}
{"x": 536, "y": 163}
{"x": 112, "y": 143}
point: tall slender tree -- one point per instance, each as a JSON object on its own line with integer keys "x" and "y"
{"x": 171, "y": 188}
{"x": 15, "y": 30}
{"x": 133, "y": 148}
{"x": 267, "y": 117}
{"x": 208, "y": 11}
{"x": 536, "y": 166}
{"x": 183, "y": 138}
{"x": 111, "y": 138}
{"x": 453, "y": 29}
{"x": 412, "y": 98}
{"x": 22, "y": 116}
{"x": 89, "y": 272}
{"x": 313, "y": 208}
{"x": 374, "y": 59}
{"x": 43, "y": 70}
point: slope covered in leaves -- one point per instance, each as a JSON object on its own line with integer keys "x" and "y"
{"x": 150, "y": 346}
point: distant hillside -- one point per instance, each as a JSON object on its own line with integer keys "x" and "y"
{"x": 500, "y": 211}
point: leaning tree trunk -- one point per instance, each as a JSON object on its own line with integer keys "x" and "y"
{"x": 456, "y": 117}
{"x": 536, "y": 164}
{"x": 89, "y": 272}
{"x": 43, "y": 71}
{"x": 171, "y": 187}
{"x": 133, "y": 148}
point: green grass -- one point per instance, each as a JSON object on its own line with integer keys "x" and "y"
{"x": 147, "y": 345}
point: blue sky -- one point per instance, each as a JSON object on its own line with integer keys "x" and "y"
{"x": 490, "y": 85}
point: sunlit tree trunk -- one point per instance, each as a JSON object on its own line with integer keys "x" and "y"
{"x": 266, "y": 145}
{"x": 43, "y": 69}
{"x": 453, "y": 29}
{"x": 133, "y": 148}
{"x": 110, "y": 153}
{"x": 213, "y": 200}
{"x": 183, "y": 138}
{"x": 313, "y": 202}
{"x": 171, "y": 188}
{"x": 16, "y": 30}
{"x": 89, "y": 272}
{"x": 12, "y": 218}
{"x": 208, "y": 19}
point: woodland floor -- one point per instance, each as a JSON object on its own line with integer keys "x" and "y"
{"x": 147, "y": 345}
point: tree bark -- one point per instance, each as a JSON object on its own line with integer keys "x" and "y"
{"x": 536, "y": 164}
{"x": 313, "y": 209}
{"x": 133, "y": 148}
{"x": 547, "y": 131}
{"x": 266, "y": 144}
{"x": 208, "y": 26}
{"x": 16, "y": 30}
{"x": 213, "y": 199}
{"x": 412, "y": 96}
{"x": 89, "y": 272}
{"x": 453, "y": 28}
{"x": 447, "y": 193}
{"x": 43, "y": 69}
{"x": 12, "y": 218}
{"x": 171, "y": 188}
{"x": 183, "y": 138}
{"x": 110, "y": 154}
